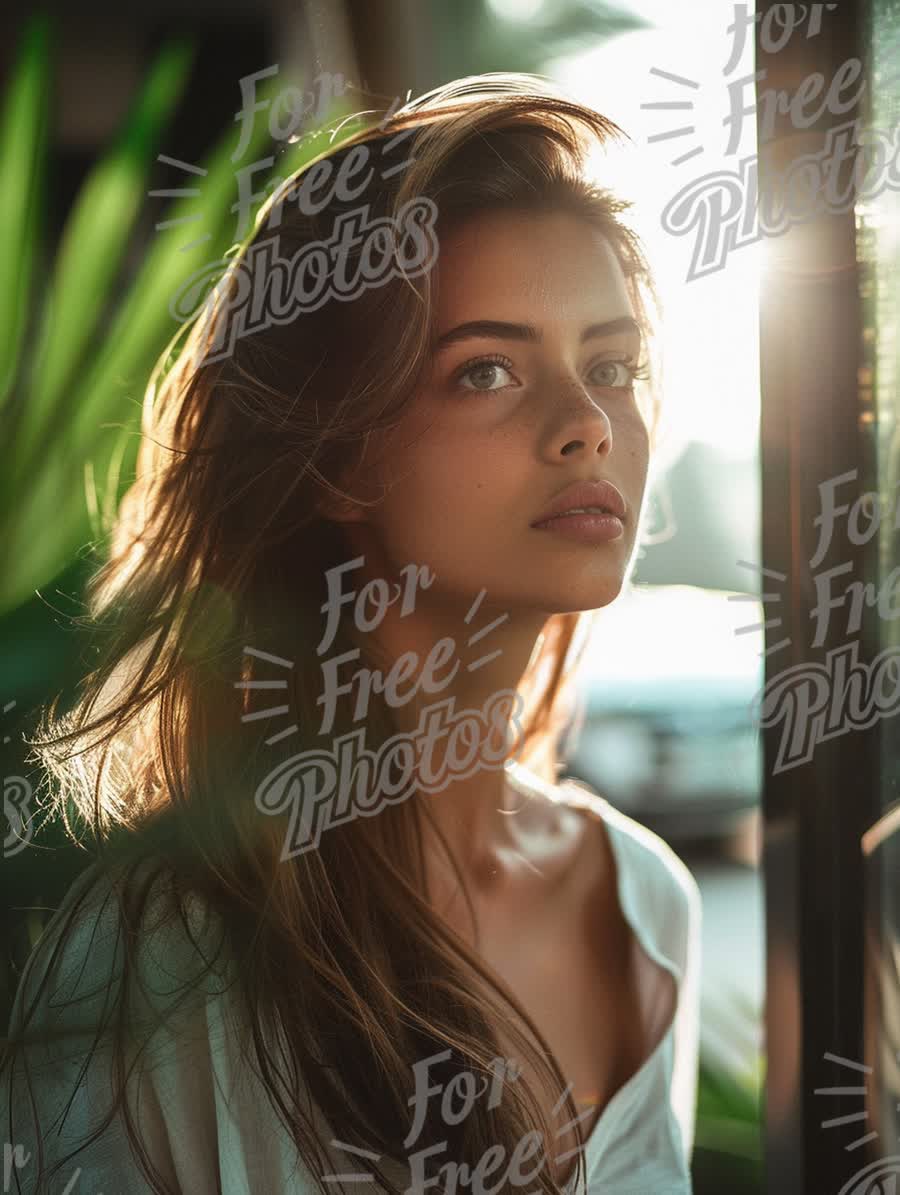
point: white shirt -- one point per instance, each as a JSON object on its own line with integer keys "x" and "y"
{"x": 644, "y": 1138}
{"x": 205, "y": 1117}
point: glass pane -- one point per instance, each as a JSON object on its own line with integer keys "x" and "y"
{"x": 878, "y": 219}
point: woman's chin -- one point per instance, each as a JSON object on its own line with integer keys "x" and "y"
{"x": 573, "y": 599}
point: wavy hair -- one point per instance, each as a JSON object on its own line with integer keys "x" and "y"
{"x": 346, "y": 975}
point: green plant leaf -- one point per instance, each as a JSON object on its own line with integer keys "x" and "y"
{"x": 143, "y": 323}
{"x": 53, "y": 514}
{"x": 49, "y": 519}
{"x": 90, "y": 255}
{"x": 53, "y": 519}
{"x": 724, "y": 1093}
{"x": 23, "y": 143}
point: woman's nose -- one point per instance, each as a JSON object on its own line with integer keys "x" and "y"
{"x": 580, "y": 424}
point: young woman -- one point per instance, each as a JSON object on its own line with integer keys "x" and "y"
{"x": 344, "y": 928}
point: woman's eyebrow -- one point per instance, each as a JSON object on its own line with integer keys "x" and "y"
{"x": 501, "y": 330}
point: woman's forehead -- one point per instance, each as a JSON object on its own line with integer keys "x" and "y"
{"x": 509, "y": 265}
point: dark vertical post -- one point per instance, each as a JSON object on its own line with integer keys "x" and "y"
{"x": 815, "y": 812}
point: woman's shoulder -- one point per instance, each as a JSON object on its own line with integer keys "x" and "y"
{"x": 110, "y": 1068}
{"x": 142, "y": 911}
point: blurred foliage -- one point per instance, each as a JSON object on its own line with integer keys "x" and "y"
{"x": 471, "y": 36}
{"x": 728, "y": 1137}
{"x": 83, "y": 323}
{"x": 76, "y": 354}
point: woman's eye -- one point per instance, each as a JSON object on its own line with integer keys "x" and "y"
{"x": 483, "y": 375}
{"x": 487, "y": 373}
{"x": 618, "y": 374}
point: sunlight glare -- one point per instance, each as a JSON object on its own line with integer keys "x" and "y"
{"x": 710, "y": 325}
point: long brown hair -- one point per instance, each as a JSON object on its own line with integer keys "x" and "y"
{"x": 220, "y": 545}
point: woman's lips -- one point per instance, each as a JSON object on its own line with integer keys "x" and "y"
{"x": 587, "y": 496}
{"x": 584, "y": 528}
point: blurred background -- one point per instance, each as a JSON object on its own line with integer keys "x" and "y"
{"x": 106, "y": 110}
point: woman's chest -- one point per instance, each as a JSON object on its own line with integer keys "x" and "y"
{"x": 580, "y": 987}
{"x": 572, "y": 961}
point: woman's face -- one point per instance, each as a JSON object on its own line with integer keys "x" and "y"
{"x": 507, "y": 420}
